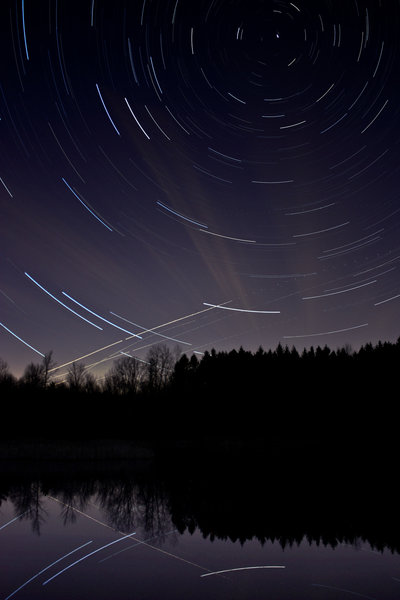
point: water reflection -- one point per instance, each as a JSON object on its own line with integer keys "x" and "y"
{"x": 125, "y": 502}
{"x": 199, "y": 525}
{"x": 240, "y": 498}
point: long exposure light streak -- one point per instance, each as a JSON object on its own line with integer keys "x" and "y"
{"x": 180, "y": 215}
{"x": 24, "y": 29}
{"x": 387, "y": 300}
{"x": 356, "y": 287}
{"x": 243, "y": 569}
{"x": 128, "y": 338}
{"x": 101, "y": 318}
{"x": 46, "y": 569}
{"x": 309, "y": 335}
{"x": 227, "y": 237}
{"x": 21, "y": 340}
{"x": 139, "y": 542}
{"x": 66, "y": 364}
{"x": 6, "y": 188}
{"x": 62, "y": 303}
{"x": 85, "y": 205}
{"x": 13, "y": 520}
{"x": 244, "y": 310}
{"x": 87, "y": 556}
{"x": 319, "y": 231}
{"x": 337, "y": 589}
{"x": 145, "y": 330}
{"x": 134, "y": 116}
{"x": 106, "y": 109}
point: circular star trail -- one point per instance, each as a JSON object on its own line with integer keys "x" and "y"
{"x": 208, "y": 174}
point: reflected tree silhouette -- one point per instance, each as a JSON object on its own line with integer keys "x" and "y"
{"x": 235, "y": 499}
{"x": 29, "y": 502}
{"x": 120, "y": 505}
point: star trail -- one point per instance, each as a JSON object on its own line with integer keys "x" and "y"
{"x": 158, "y": 158}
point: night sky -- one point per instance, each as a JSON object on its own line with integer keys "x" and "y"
{"x": 223, "y": 172}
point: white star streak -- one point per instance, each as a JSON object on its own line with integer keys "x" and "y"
{"x": 244, "y": 569}
{"x": 6, "y": 188}
{"x": 376, "y": 116}
{"x": 227, "y": 237}
{"x": 340, "y": 292}
{"x": 134, "y": 116}
{"x": 128, "y": 338}
{"x": 155, "y": 122}
{"x": 293, "y": 125}
{"x": 387, "y": 300}
{"x": 180, "y": 215}
{"x": 145, "y": 330}
{"x": 327, "y": 92}
{"x": 321, "y": 230}
{"x": 308, "y": 335}
{"x": 244, "y": 310}
{"x": 331, "y": 587}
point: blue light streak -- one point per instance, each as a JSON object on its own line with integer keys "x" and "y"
{"x": 102, "y": 318}
{"x": 105, "y": 108}
{"x": 21, "y": 340}
{"x": 46, "y": 569}
{"x": 13, "y": 520}
{"x": 62, "y": 303}
{"x": 85, "y": 205}
{"x": 23, "y": 27}
{"x": 87, "y": 556}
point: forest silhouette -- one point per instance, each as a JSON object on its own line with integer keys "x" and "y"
{"x": 337, "y": 397}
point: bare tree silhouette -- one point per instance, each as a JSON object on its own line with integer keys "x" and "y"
{"x": 160, "y": 363}
{"x": 76, "y": 376}
{"x": 124, "y": 377}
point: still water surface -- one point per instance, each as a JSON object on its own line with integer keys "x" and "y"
{"x": 144, "y": 536}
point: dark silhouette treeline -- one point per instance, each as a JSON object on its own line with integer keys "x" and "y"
{"x": 338, "y": 396}
{"x": 245, "y": 500}
{"x": 318, "y": 393}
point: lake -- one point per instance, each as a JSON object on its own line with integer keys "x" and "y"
{"x": 203, "y": 525}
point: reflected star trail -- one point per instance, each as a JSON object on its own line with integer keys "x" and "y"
{"x": 272, "y": 127}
